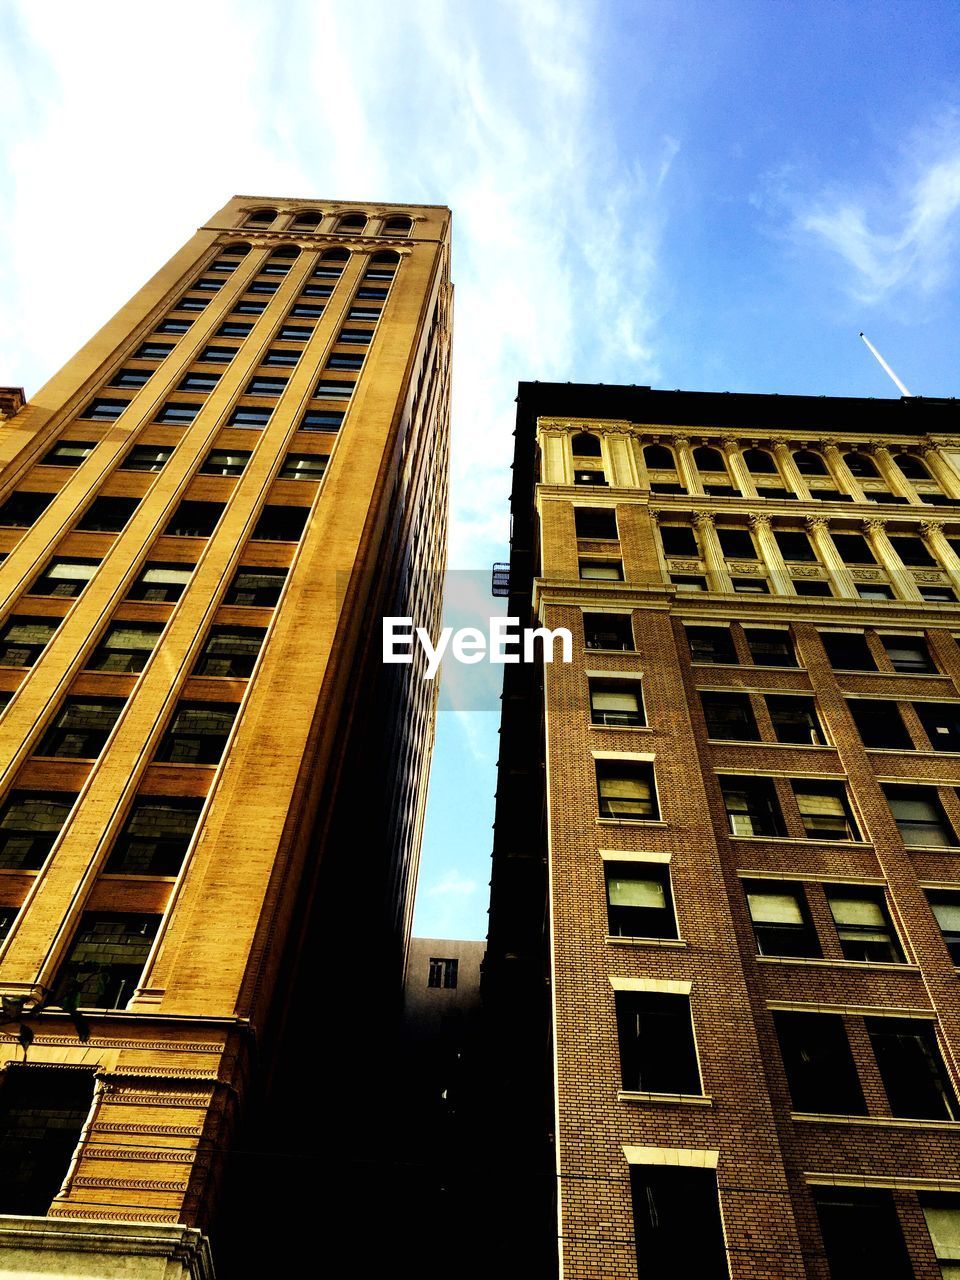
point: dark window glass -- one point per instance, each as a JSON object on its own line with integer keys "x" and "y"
{"x": 945, "y": 906}
{"x": 711, "y": 644}
{"x": 625, "y": 789}
{"x": 820, "y": 1069}
{"x": 666, "y": 1200}
{"x": 781, "y": 922}
{"x": 760, "y": 462}
{"x": 265, "y": 286}
{"x": 246, "y": 415}
{"x": 175, "y": 412}
{"x": 64, "y": 578}
{"x": 737, "y": 544}
{"x": 234, "y": 329}
{"x": 208, "y": 284}
{"x": 217, "y": 355}
{"x": 677, "y": 539}
{"x": 810, "y": 464}
{"x": 106, "y": 959}
{"x": 729, "y": 716}
{"x": 22, "y": 509}
{"x": 863, "y": 923}
{"x": 601, "y": 570}
{"x": 607, "y": 631}
{"x": 257, "y": 588}
{"x": 190, "y": 303}
{"x": 230, "y": 651}
{"x": 848, "y": 650}
{"x": 311, "y": 311}
{"x": 589, "y": 477}
{"x": 249, "y": 307}
{"x": 860, "y": 465}
{"x": 911, "y": 550}
{"x": 107, "y": 515}
{"x": 397, "y": 227}
{"x": 638, "y": 900}
{"x": 194, "y": 520}
{"x": 795, "y": 546}
{"x": 261, "y": 218}
{"x": 795, "y": 719}
{"x": 344, "y": 360}
{"x": 68, "y": 453}
{"x": 155, "y": 836}
{"x": 281, "y": 357}
{"x": 125, "y": 646}
{"x": 304, "y": 466}
{"x": 307, "y": 220}
{"x": 617, "y": 704}
{"x": 352, "y": 222}
{"x": 316, "y": 291}
{"x": 938, "y": 595}
{"x": 360, "y": 337}
{"x": 42, "y": 1114}
{"x": 442, "y": 974}
{"x": 224, "y": 462}
{"x": 23, "y": 639}
{"x": 751, "y": 586}
{"x": 147, "y": 457}
{"x": 30, "y": 822}
{"x": 174, "y": 326}
{"x": 880, "y": 723}
{"x": 280, "y": 524}
{"x": 911, "y": 466}
{"x": 909, "y": 654}
{"x": 854, "y": 548}
{"x": 812, "y": 587}
{"x": 777, "y": 492}
{"x": 861, "y": 1234}
{"x": 198, "y": 382}
{"x": 104, "y": 409}
{"x": 320, "y": 420}
{"x": 596, "y": 523}
{"x": 197, "y": 733}
{"x": 379, "y": 295}
{"x": 265, "y": 386}
{"x": 80, "y": 728}
{"x": 131, "y": 377}
{"x": 752, "y": 806}
{"x": 161, "y": 582}
{"x": 889, "y": 499}
{"x": 371, "y": 314}
{"x": 910, "y": 1062}
{"x": 153, "y": 350}
{"x": 688, "y": 582}
{"x": 770, "y": 647}
{"x": 919, "y": 815}
{"x": 657, "y": 1053}
{"x": 659, "y": 458}
{"x": 294, "y": 333}
{"x": 334, "y": 387}
{"x": 824, "y": 809}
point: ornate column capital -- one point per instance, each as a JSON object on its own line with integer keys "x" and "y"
{"x": 703, "y": 518}
{"x": 874, "y": 526}
{"x": 928, "y": 527}
{"x": 828, "y": 445}
{"x": 817, "y": 524}
{"x": 759, "y": 520}
{"x": 876, "y": 447}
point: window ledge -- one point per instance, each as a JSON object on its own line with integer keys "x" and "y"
{"x": 900, "y": 675}
{"x": 619, "y": 652}
{"x": 623, "y": 728}
{"x": 813, "y": 1117}
{"x": 826, "y": 961}
{"x": 932, "y": 848}
{"x": 806, "y": 841}
{"x": 631, "y": 822}
{"x": 618, "y": 940}
{"x": 762, "y": 742}
{"x": 683, "y": 1099}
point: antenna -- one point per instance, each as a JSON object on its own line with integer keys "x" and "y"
{"x": 902, "y": 386}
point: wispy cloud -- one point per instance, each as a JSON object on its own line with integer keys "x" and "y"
{"x": 453, "y": 883}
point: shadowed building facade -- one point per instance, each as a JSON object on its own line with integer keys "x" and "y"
{"x": 725, "y": 918}
{"x": 202, "y": 518}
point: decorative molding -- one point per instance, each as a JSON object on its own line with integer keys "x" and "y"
{"x": 928, "y": 527}
{"x": 703, "y": 517}
{"x": 758, "y": 520}
{"x": 817, "y": 523}
{"x": 91, "y": 1152}
{"x": 81, "y": 1210}
{"x": 874, "y": 526}
{"x": 130, "y": 1184}
{"x": 148, "y": 1130}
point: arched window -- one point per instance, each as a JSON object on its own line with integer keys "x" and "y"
{"x": 861, "y": 465}
{"x": 658, "y": 457}
{"x": 303, "y": 220}
{"x": 352, "y": 222}
{"x": 586, "y": 445}
{"x": 760, "y": 462}
{"x": 261, "y": 217}
{"x": 911, "y": 466}
{"x": 809, "y": 463}
{"x": 235, "y": 250}
{"x": 335, "y": 255}
{"x": 397, "y": 227}
{"x": 386, "y": 257}
{"x": 709, "y": 459}
{"x": 287, "y": 251}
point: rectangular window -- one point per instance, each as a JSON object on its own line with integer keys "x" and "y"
{"x": 30, "y": 822}
{"x": 80, "y": 728}
{"x": 688, "y": 582}
{"x": 909, "y": 654}
{"x": 750, "y": 586}
{"x": 153, "y": 351}
{"x": 729, "y": 716}
{"x": 617, "y": 704}
{"x": 106, "y": 958}
{"x": 941, "y": 723}
{"x": 155, "y": 836}
{"x": 359, "y": 337}
{"x": 770, "y": 646}
{"x": 853, "y": 548}
{"x": 194, "y": 519}
{"x": 795, "y": 546}
{"x": 880, "y": 723}
{"x": 319, "y": 420}
{"x": 861, "y": 1234}
{"x": 278, "y": 357}
{"x": 941, "y": 1211}
{"x": 224, "y": 462}
{"x": 263, "y": 286}
{"x": 812, "y": 587}
{"x": 752, "y": 806}
{"x": 657, "y": 1053}
{"x": 64, "y": 578}
{"x": 919, "y": 815}
{"x": 125, "y": 646}
{"x": 795, "y": 719}
{"x": 191, "y": 304}
{"x": 174, "y": 326}
{"x": 874, "y": 591}
{"x": 639, "y": 904}
{"x": 598, "y": 524}
{"x": 234, "y": 329}
{"x": 334, "y": 387}
{"x": 256, "y": 588}
{"x": 104, "y": 409}
{"x": 107, "y": 515}
{"x": 601, "y": 570}
{"x": 208, "y": 284}
{"x": 914, "y": 1076}
{"x": 666, "y": 1200}
{"x": 263, "y": 386}
{"x": 316, "y": 291}
{"x": 781, "y": 922}
{"x": 304, "y": 466}
{"x": 23, "y": 509}
{"x": 945, "y": 906}
{"x": 161, "y": 583}
{"x": 198, "y": 382}
{"x": 216, "y": 355}
{"x": 249, "y": 307}
{"x": 230, "y": 651}
{"x": 375, "y": 295}
{"x": 294, "y": 333}
{"x": 442, "y": 973}
{"x": 736, "y": 544}
{"x": 198, "y": 733}
{"x": 711, "y": 644}
{"x": 42, "y": 1114}
{"x": 369, "y": 314}
{"x": 68, "y": 453}
{"x": 310, "y": 311}
{"x": 280, "y": 524}
{"x": 344, "y": 360}
{"x": 176, "y": 413}
{"x": 147, "y": 457}
{"x": 625, "y": 790}
{"x": 676, "y": 539}
{"x": 247, "y": 415}
{"x": 848, "y": 651}
{"x": 23, "y": 639}
{"x": 863, "y": 923}
{"x": 819, "y": 1065}
{"x": 824, "y": 809}
{"x": 912, "y": 550}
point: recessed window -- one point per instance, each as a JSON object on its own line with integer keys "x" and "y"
{"x": 781, "y": 922}
{"x": 688, "y": 582}
{"x": 911, "y": 1065}
{"x": 280, "y": 524}
{"x": 677, "y": 539}
{"x": 294, "y": 333}
{"x": 178, "y": 413}
{"x": 106, "y": 958}
{"x": 155, "y": 836}
{"x": 945, "y": 906}
{"x": 863, "y": 923}
{"x": 608, "y": 631}
{"x": 376, "y": 295}
{"x": 344, "y": 360}
{"x": 42, "y": 1114}
{"x": 352, "y": 222}
{"x": 908, "y": 654}
{"x": 617, "y": 704}
{"x": 860, "y": 465}
{"x": 30, "y": 822}
{"x": 854, "y": 548}
{"x": 625, "y": 790}
{"x": 750, "y": 586}
{"x": 941, "y": 1211}
{"x": 919, "y": 815}
{"x": 265, "y": 386}
{"x": 442, "y": 973}
{"x": 369, "y": 314}
{"x": 824, "y": 809}
{"x": 357, "y": 337}
{"x": 809, "y": 463}
{"x": 880, "y": 723}
{"x": 938, "y": 595}
{"x": 812, "y": 587}
{"x": 254, "y": 417}
{"x": 912, "y": 550}
{"x": 752, "y": 806}
{"x": 197, "y": 733}
{"x": 80, "y": 728}
{"x": 249, "y": 307}
{"x": 320, "y": 420}
{"x": 107, "y": 515}
{"x": 194, "y": 520}
{"x": 23, "y": 509}
{"x": 198, "y": 382}
{"x": 590, "y": 478}
{"x": 861, "y": 1233}
{"x": 338, "y": 387}
{"x": 147, "y": 457}
{"x": 264, "y": 286}
{"x": 729, "y": 716}
{"x": 601, "y": 570}
{"x": 104, "y": 409}
{"x": 397, "y": 227}
{"x": 794, "y": 718}
{"x": 22, "y": 639}
{"x": 770, "y": 646}
{"x": 941, "y": 723}
{"x": 711, "y": 644}
{"x": 657, "y": 1052}
{"x": 191, "y": 303}
{"x": 217, "y": 355}
{"x": 68, "y": 453}
{"x": 234, "y": 329}
{"x": 639, "y": 904}
{"x": 153, "y": 351}
{"x": 174, "y": 326}
{"x": 310, "y": 311}
{"x": 161, "y": 583}
{"x": 304, "y": 220}
{"x": 64, "y": 578}
{"x": 256, "y": 588}
{"x": 598, "y": 524}
{"x": 819, "y": 1065}
{"x": 260, "y": 218}
{"x": 847, "y": 651}
{"x": 736, "y": 544}
{"x": 874, "y": 591}
{"x": 125, "y": 646}
{"x": 911, "y": 466}
{"x": 795, "y": 546}
{"x": 280, "y": 357}
{"x": 230, "y": 651}
{"x": 208, "y": 284}
{"x": 224, "y": 462}
{"x": 303, "y": 466}
{"x": 666, "y": 1200}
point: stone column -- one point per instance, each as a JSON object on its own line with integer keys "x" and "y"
{"x": 686, "y": 467}
{"x": 620, "y": 460}
{"x": 790, "y": 471}
{"x": 941, "y": 471}
{"x": 739, "y": 472}
{"x": 843, "y": 477}
{"x": 777, "y": 572}
{"x": 940, "y": 549}
{"x": 718, "y": 579}
{"x": 897, "y": 482}
{"x": 818, "y": 527}
{"x": 903, "y": 584}
{"x": 556, "y": 456}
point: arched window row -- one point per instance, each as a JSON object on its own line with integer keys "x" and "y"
{"x": 351, "y": 223}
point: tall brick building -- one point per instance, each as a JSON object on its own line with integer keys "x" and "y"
{"x": 210, "y": 783}
{"x": 725, "y": 924}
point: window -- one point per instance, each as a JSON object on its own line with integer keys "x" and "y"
{"x": 261, "y": 218}
{"x": 30, "y": 822}
{"x": 616, "y": 704}
{"x": 914, "y": 1076}
{"x": 442, "y": 973}
{"x": 42, "y": 1114}
{"x": 777, "y": 492}
{"x": 795, "y": 546}
{"x": 590, "y": 477}
{"x": 249, "y": 307}
{"x": 174, "y": 326}
{"x": 155, "y": 836}
{"x": 352, "y": 222}
{"x": 729, "y": 716}
{"x": 677, "y": 539}
{"x": 711, "y": 644}
{"x": 688, "y": 582}
{"x": 863, "y": 923}
{"x": 383, "y": 265}
{"x": 811, "y": 587}
{"x": 306, "y": 310}
{"x": 198, "y": 382}
{"x": 585, "y": 444}
{"x": 278, "y": 356}
{"x": 890, "y": 499}
{"x": 64, "y": 578}
{"x": 861, "y": 1234}
{"x": 625, "y": 790}
{"x": 190, "y": 303}
{"x": 294, "y": 333}
{"x": 659, "y": 458}
{"x": 360, "y": 337}
{"x": 598, "y": 524}
{"x": 22, "y": 639}
{"x": 657, "y": 1053}
{"x": 911, "y": 466}
{"x": 854, "y": 548}
{"x": 770, "y": 647}
{"x": 265, "y": 386}
{"x": 397, "y": 227}
{"x": 752, "y": 806}
{"x": 607, "y": 631}
{"x": 912, "y": 550}
{"x": 919, "y": 815}
{"x": 319, "y": 420}
{"x": 234, "y": 329}
{"x": 666, "y": 1200}
{"x": 107, "y": 515}
{"x": 106, "y": 958}
{"x": 819, "y": 1065}
{"x": 224, "y": 462}
{"x": 217, "y": 355}
{"x": 938, "y": 595}
{"x": 795, "y": 719}
{"x": 230, "y": 651}
{"x": 945, "y": 906}
{"x": 161, "y": 582}
{"x": 177, "y": 413}
{"x": 68, "y": 453}
{"x": 344, "y": 360}
{"x": 104, "y": 410}
{"x": 639, "y": 904}
{"x": 22, "y": 509}
{"x": 7, "y": 917}
{"x": 125, "y": 646}
{"x": 280, "y": 524}
{"x": 265, "y": 286}
{"x": 750, "y": 586}
{"x": 369, "y": 314}
{"x": 941, "y": 723}
{"x": 334, "y": 387}
{"x": 246, "y": 415}
{"x": 208, "y": 284}
{"x": 909, "y": 654}
{"x": 304, "y": 466}
{"x": 194, "y": 519}
{"x": 602, "y": 570}
{"x": 809, "y": 464}
{"x": 860, "y": 465}
{"x": 197, "y": 733}
{"x": 153, "y": 351}
{"x": 824, "y": 809}
{"x": 941, "y": 1210}
{"x": 736, "y": 544}
{"x": 880, "y": 723}
{"x": 147, "y": 457}
{"x": 781, "y": 923}
{"x": 848, "y": 650}
{"x": 80, "y": 728}
{"x": 304, "y": 220}
{"x": 257, "y": 588}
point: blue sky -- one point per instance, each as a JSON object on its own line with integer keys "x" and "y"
{"x": 714, "y": 196}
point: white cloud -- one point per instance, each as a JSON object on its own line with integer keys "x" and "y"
{"x": 453, "y": 883}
